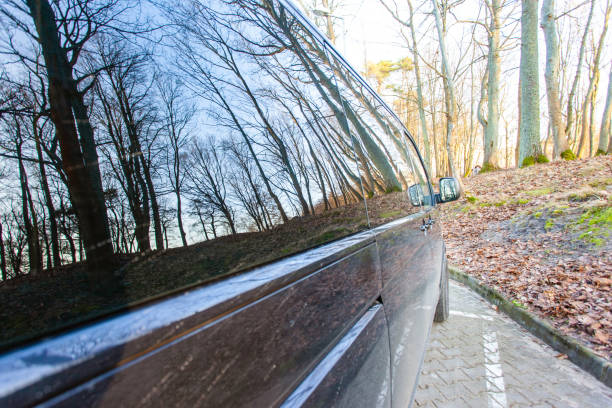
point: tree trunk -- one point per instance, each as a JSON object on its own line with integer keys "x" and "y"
{"x": 28, "y": 213}
{"x": 530, "y": 148}
{"x": 591, "y": 94}
{"x": 491, "y": 134}
{"x": 449, "y": 93}
{"x": 605, "y": 142}
{"x": 3, "y": 271}
{"x": 572, "y": 94}
{"x": 55, "y": 249}
{"x": 81, "y": 167}
{"x": 420, "y": 104}
{"x": 551, "y": 75}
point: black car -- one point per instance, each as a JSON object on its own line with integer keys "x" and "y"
{"x": 213, "y": 209}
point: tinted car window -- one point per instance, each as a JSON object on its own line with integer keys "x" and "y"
{"x": 219, "y": 146}
{"x": 385, "y": 161}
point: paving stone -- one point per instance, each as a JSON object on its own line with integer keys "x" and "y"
{"x": 481, "y": 358}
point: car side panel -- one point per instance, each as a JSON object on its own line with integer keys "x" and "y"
{"x": 410, "y": 286}
{"x": 356, "y": 373}
{"x": 253, "y": 356}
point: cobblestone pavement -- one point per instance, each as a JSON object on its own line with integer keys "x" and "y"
{"x": 481, "y": 358}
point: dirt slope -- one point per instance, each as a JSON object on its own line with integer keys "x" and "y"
{"x": 542, "y": 236}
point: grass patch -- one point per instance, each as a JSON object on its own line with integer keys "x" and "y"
{"x": 500, "y": 203}
{"x": 582, "y": 197}
{"x": 390, "y": 214}
{"x": 537, "y": 214}
{"x": 600, "y": 152}
{"x": 549, "y": 224}
{"x": 471, "y": 199}
{"x": 598, "y": 223}
{"x": 557, "y": 211}
{"x": 518, "y": 304}
{"x": 601, "y": 183}
{"x": 540, "y": 191}
{"x": 328, "y": 236}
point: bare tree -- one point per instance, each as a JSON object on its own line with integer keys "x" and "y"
{"x": 588, "y": 106}
{"x": 530, "y": 149}
{"x": 605, "y": 139}
{"x": 449, "y": 90}
{"x": 206, "y": 180}
{"x": 176, "y": 117}
{"x": 549, "y": 26}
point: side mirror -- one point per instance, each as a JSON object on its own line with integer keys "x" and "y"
{"x": 415, "y": 192}
{"x": 449, "y": 190}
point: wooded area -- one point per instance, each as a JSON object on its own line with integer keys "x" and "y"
{"x": 476, "y": 84}
{"x": 128, "y": 128}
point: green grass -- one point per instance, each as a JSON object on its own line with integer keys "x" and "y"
{"x": 500, "y": 203}
{"x": 549, "y": 224}
{"x": 598, "y": 223}
{"x": 537, "y": 214}
{"x": 519, "y": 304}
{"x": 581, "y": 197}
{"x": 601, "y": 183}
{"x": 390, "y": 214}
{"x": 328, "y": 236}
{"x": 471, "y": 199}
{"x": 540, "y": 191}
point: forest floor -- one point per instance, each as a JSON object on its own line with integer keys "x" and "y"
{"x": 542, "y": 237}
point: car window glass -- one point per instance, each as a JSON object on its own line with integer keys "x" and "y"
{"x": 217, "y": 147}
{"x": 385, "y": 162}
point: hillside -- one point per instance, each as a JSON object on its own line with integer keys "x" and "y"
{"x": 542, "y": 237}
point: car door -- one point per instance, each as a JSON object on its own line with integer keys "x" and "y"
{"x": 388, "y": 162}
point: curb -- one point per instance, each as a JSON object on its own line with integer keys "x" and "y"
{"x": 580, "y": 355}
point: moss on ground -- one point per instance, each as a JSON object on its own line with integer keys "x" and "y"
{"x": 597, "y": 223}
{"x": 487, "y": 168}
{"x": 568, "y": 155}
{"x": 530, "y": 160}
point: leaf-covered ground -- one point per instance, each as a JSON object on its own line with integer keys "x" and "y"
{"x": 542, "y": 236}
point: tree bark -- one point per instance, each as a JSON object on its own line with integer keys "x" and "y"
{"x": 449, "y": 93}
{"x": 420, "y": 104}
{"x": 589, "y": 100}
{"x": 551, "y": 75}
{"x": 605, "y": 141}
{"x": 491, "y": 134}
{"x": 81, "y": 167}
{"x": 572, "y": 94}
{"x": 529, "y": 146}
